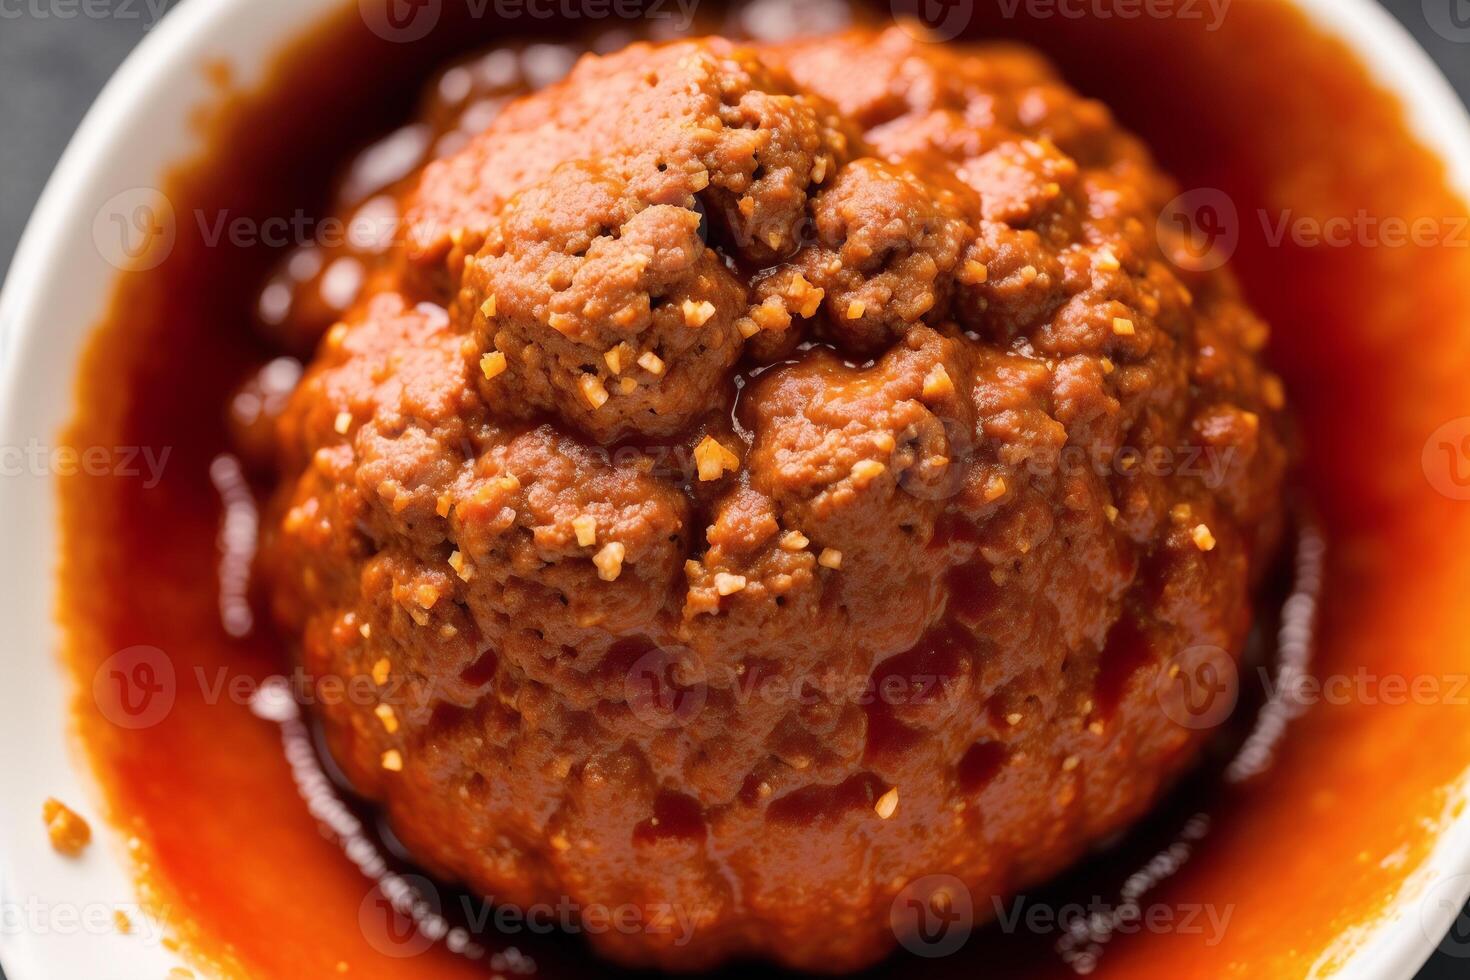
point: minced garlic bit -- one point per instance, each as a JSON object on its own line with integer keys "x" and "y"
{"x": 1181, "y": 512}
{"x": 488, "y": 307}
{"x": 387, "y": 717}
{"x": 830, "y": 558}
{"x": 1204, "y": 539}
{"x": 627, "y": 385}
{"x": 865, "y": 471}
{"x": 443, "y": 504}
{"x": 794, "y": 541}
{"x": 995, "y": 488}
{"x": 856, "y": 309}
{"x": 462, "y": 568}
{"x": 393, "y": 760}
{"x": 727, "y": 584}
{"x": 585, "y": 527}
{"x": 652, "y": 363}
{"x": 887, "y": 804}
{"x": 493, "y": 364}
{"x": 771, "y": 314}
{"x": 1070, "y": 762}
{"x": 1111, "y": 513}
{"x": 713, "y": 459}
{"x": 698, "y": 314}
{"x": 343, "y": 423}
{"x": 1273, "y": 392}
{"x": 808, "y": 298}
{"x": 561, "y": 322}
{"x": 974, "y": 273}
{"x": 1013, "y": 719}
{"x": 593, "y": 391}
{"x": 69, "y": 833}
{"x": 613, "y": 358}
{"x": 609, "y": 561}
{"x": 1107, "y": 261}
{"x": 381, "y": 670}
{"x": 748, "y": 327}
{"x": 1123, "y": 327}
{"x": 937, "y": 383}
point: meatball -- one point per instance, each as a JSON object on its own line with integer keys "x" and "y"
{"x": 768, "y": 476}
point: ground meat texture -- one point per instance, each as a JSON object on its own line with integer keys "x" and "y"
{"x": 887, "y": 246}
{"x": 768, "y": 475}
{"x": 679, "y": 119}
{"x": 613, "y": 317}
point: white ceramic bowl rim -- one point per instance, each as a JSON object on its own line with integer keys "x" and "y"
{"x": 56, "y": 290}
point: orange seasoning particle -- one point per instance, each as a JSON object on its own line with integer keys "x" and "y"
{"x": 1204, "y": 540}
{"x": 714, "y": 460}
{"x": 493, "y": 365}
{"x": 69, "y": 833}
{"x": 609, "y": 561}
{"x": 887, "y": 804}
{"x": 937, "y": 383}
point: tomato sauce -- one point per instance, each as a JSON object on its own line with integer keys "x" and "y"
{"x": 1372, "y": 339}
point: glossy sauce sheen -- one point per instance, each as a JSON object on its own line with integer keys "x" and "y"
{"x": 288, "y": 904}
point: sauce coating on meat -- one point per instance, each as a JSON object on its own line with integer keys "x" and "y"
{"x": 764, "y": 475}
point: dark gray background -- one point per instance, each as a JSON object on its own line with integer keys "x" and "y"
{"x": 52, "y": 67}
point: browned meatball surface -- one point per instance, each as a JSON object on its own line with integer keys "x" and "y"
{"x": 763, "y": 476}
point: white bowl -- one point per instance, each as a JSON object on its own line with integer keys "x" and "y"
{"x": 57, "y": 915}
